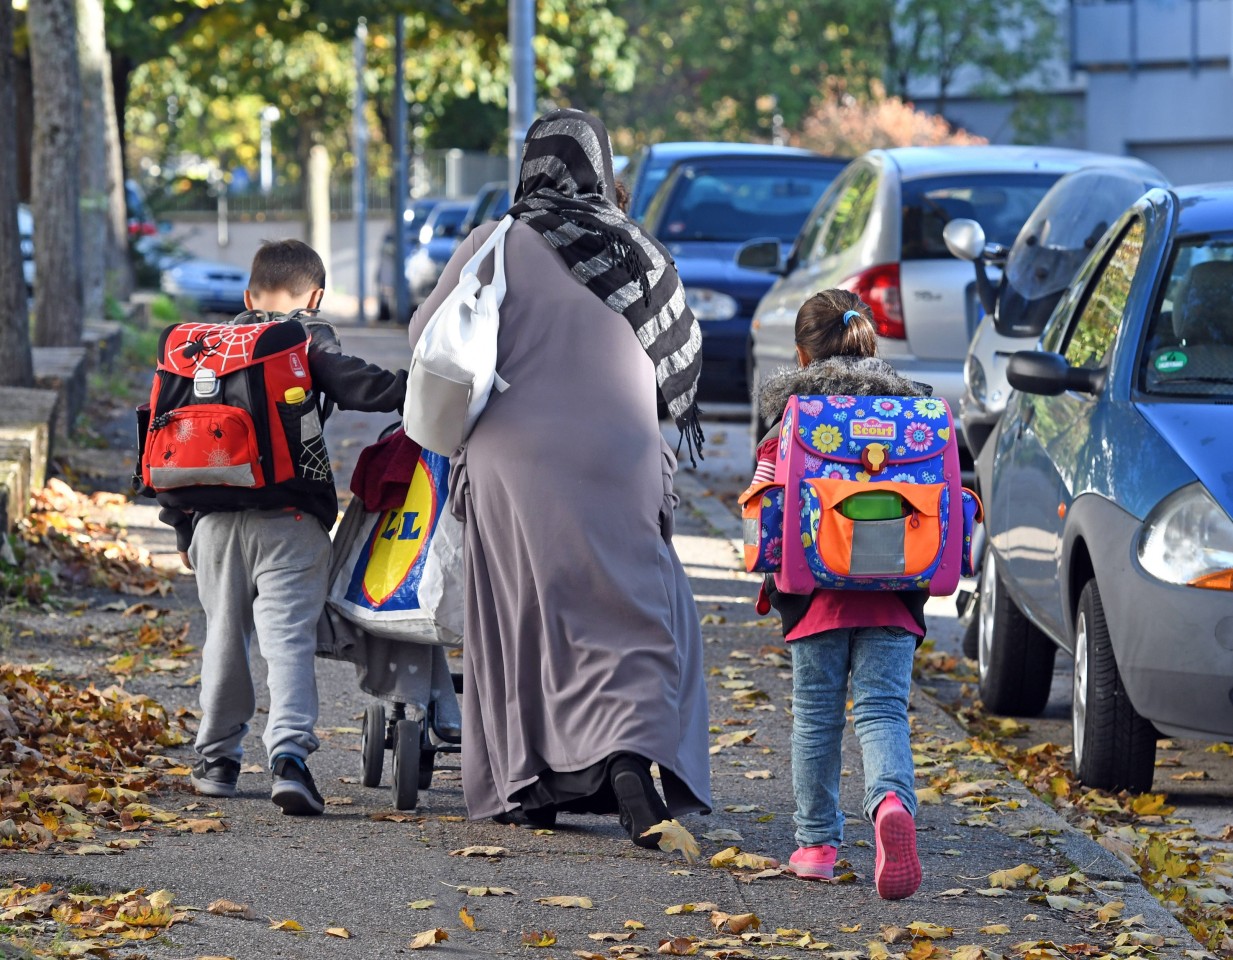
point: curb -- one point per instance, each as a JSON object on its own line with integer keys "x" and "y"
{"x": 1064, "y": 838}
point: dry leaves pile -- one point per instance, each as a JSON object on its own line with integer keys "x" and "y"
{"x": 46, "y": 921}
{"x": 77, "y": 765}
{"x": 66, "y": 539}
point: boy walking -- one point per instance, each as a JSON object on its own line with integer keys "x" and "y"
{"x": 262, "y": 571}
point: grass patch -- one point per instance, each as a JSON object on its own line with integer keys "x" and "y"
{"x": 165, "y": 310}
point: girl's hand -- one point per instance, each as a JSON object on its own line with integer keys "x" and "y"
{"x": 184, "y": 560}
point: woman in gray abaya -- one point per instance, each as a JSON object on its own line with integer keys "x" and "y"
{"x": 582, "y": 661}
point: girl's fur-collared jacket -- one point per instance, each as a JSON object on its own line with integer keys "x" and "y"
{"x": 850, "y": 376}
{"x": 846, "y": 376}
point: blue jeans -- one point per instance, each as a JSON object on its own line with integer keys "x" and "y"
{"x": 880, "y": 662}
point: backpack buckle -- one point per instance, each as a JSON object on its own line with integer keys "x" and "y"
{"x": 873, "y": 457}
{"x": 205, "y": 383}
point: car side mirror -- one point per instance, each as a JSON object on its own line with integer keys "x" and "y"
{"x": 761, "y": 254}
{"x": 964, "y": 238}
{"x": 1049, "y": 375}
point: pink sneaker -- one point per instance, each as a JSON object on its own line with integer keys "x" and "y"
{"x": 814, "y": 863}
{"x": 896, "y": 870}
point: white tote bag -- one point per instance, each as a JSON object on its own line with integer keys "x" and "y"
{"x": 454, "y": 366}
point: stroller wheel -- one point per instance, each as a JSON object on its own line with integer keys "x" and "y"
{"x": 427, "y": 759}
{"x": 406, "y": 764}
{"x": 372, "y": 745}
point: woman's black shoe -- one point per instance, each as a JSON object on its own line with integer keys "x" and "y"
{"x": 638, "y": 803}
{"x": 541, "y": 819}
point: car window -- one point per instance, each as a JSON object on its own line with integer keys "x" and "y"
{"x": 1100, "y": 317}
{"x": 737, "y": 201}
{"x": 447, "y": 221}
{"x": 1000, "y": 203}
{"x": 852, "y": 209}
{"x": 1189, "y": 348}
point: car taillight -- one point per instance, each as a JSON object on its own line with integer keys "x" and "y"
{"x": 879, "y": 287}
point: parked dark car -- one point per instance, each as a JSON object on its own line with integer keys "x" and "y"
{"x": 1110, "y": 495}
{"x": 490, "y": 203}
{"x": 645, "y": 172}
{"x": 705, "y": 209}
{"x": 438, "y": 238}
{"x": 413, "y": 221}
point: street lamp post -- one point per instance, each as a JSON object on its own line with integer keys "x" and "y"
{"x": 360, "y": 191}
{"x": 268, "y": 116}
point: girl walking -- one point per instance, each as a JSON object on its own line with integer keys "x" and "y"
{"x": 869, "y": 636}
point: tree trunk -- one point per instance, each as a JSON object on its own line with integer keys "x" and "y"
{"x": 23, "y": 85}
{"x": 95, "y": 228}
{"x": 119, "y": 265}
{"x": 56, "y": 206}
{"x": 16, "y": 369}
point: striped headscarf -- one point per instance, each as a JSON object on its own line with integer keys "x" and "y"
{"x": 567, "y": 192}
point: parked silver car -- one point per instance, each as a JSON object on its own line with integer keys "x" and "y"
{"x": 878, "y": 232}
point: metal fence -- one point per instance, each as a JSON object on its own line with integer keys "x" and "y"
{"x": 450, "y": 173}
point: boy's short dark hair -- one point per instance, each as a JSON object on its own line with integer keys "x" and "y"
{"x": 290, "y": 265}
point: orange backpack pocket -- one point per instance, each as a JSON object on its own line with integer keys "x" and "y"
{"x": 762, "y": 525}
{"x": 202, "y": 445}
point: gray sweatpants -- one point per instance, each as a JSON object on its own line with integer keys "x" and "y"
{"x": 262, "y": 573}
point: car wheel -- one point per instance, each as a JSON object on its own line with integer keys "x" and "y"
{"x": 1015, "y": 659}
{"x": 1114, "y": 747}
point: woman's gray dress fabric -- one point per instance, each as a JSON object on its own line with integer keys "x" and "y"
{"x": 582, "y": 638}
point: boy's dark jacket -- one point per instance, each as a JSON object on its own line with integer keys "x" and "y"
{"x": 349, "y": 383}
{"x": 844, "y": 376}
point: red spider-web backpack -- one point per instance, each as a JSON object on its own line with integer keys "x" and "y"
{"x": 233, "y": 421}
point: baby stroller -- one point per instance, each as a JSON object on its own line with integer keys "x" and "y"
{"x": 380, "y": 572}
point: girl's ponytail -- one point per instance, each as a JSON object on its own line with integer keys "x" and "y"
{"x": 835, "y": 323}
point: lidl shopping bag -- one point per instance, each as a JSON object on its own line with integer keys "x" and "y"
{"x": 381, "y": 558}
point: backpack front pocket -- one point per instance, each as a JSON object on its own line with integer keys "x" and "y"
{"x": 851, "y": 530}
{"x": 202, "y": 445}
{"x": 762, "y": 524}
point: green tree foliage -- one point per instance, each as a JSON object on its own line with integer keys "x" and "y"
{"x": 1007, "y": 43}
{"x": 721, "y": 70}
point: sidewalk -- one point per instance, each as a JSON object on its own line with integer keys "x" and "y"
{"x": 362, "y": 867}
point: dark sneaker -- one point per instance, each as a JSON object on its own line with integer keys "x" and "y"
{"x": 215, "y": 778}
{"x": 293, "y": 788}
{"x": 638, "y": 804}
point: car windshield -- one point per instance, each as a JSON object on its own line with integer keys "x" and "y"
{"x": 734, "y": 202}
{"x": 1066, "y": 226}
{"x": 999, "y": 202}
{"x": 447, "y": 221}
{"x": 1189, "y": 349}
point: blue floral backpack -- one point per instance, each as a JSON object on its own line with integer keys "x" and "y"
{"x": 867, "y": 495}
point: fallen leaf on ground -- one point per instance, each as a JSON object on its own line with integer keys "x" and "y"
{"x": 678, "y": 947}
{"x": 736, "y": 923}
{"x": 285, "y": 925}
{"x": 701, "y": 907}
{"x": 611, "y": 936}
{"x": 421, "y": 904}
{"x": 583, "y": 903}
{"x": 539, "y": 938}
{"x": 479, "y": 852}
{"x": 341, "y": 932}
{"x": 673, "y": 836}
{"x": 467, "y": 918}
{"x": 231, "y": 908}
{"x": 428, "y": 938}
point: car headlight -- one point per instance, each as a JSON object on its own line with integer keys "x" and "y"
{"x": 974, "y": 377}
{"x": 1188, "y": 539}
{"x": 710, "y": 304}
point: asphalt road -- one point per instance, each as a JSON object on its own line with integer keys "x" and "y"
{"x": 359, "y": 869}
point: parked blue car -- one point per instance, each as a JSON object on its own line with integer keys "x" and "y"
{"x": 1110, "y": 495}
{"x": 707, "y": 207}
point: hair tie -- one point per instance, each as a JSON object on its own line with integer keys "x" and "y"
{"x": 850, "y": 316}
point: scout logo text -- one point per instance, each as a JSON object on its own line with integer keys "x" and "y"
{"x": 871, "y": 428}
